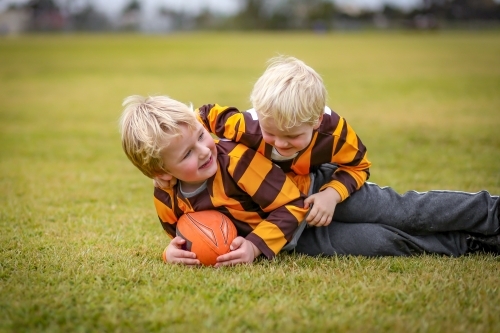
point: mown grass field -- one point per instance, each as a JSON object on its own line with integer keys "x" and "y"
{"x": 80, "y": 242}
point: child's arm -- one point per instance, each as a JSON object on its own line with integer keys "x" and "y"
{"x": 173, "y": 253}
{"x": 230, "y": 123}
{"x": 323, "y": 206}
{"x": 334, "y": 142}
{"x": 347, "y": 152}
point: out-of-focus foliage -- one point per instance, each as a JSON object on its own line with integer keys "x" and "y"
{"x": 318, "y": 15}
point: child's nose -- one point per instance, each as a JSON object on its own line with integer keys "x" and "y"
{"x": 204, "y": 150}
{"x": 280, "y": 143}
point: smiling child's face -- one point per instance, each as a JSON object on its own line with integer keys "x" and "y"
{"x": 190, "y": 157}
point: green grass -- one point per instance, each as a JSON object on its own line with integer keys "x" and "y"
{"x": 80, "y": 242}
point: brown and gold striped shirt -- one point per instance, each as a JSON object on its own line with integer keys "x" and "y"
{"x": 265, "y": 205}
{"x": 333, "y": 142}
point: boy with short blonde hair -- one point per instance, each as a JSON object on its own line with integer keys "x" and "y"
{"x": 163, "y": 139}
{"x": 291, "y": 125}
{"x": 289, "y": 102}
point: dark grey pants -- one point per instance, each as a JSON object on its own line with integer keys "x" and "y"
{"x": 418, "y": 213}
{"x": 371, "y": 239}
{"x": 377, "y": 221}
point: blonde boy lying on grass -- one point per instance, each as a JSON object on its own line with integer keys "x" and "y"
{"x": 163, "y": 139}
{"x": 291, "y": 125}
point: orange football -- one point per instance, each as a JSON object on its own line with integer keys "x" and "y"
{"x": 207, "y": 233}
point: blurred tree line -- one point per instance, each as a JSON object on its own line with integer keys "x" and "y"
{"x": 318, "y": 15}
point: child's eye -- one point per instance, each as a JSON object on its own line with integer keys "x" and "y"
{"x": 187, "y": 154}
{"x": 200, "y": 137}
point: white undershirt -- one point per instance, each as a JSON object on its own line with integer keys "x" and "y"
{"x": 275, "y": 156}
{"x": 193, "y": 193}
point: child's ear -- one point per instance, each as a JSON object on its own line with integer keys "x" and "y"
{"x": 164, "y": 176}
{"x": 164, "y": 181}
{"x": 318, "y": 123}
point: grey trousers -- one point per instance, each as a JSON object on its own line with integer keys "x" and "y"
{"x": 418, "y": 213}
{"x": 373, "y": 240}
{"x": 377, "y": 221}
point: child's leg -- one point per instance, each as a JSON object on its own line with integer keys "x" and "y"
{"x": 370, "y": 239}
{"x": 418, "y": 213}
{"x": 422, "y": 213}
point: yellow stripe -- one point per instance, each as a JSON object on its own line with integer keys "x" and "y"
{"x": 297, "y": 212}
{"x": 272, "y": 235}
{"x": 288, "y": 193}
{"x": 220, "y": 198}
{"x": 338, "y": 129}
{"x": 303, "y": 182}
{"x": 351, "y": 137}
{"x": 253, "y": 172}
{"x": 252, "y": 218}
{"x": 166, "y": 214}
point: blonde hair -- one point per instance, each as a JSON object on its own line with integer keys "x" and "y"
{"x": 290, "y": 92}
{"x": 147, "y": 126}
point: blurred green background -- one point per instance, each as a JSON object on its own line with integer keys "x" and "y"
{"x": 80, "y": 241}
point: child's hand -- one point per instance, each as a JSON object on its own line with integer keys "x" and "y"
{"x": 160, "y": 183}
{"x": 176, "y": 255}
{"x": 242, "y": 252}
{"x": 323, "y": 207}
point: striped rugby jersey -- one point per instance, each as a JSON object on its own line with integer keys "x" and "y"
{"x": 263, "y": 203}
{"x": 333, "y": 142}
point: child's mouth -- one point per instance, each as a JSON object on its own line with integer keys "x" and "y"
{"x": 284, "y": 151}
{"x": 207, "y": 163}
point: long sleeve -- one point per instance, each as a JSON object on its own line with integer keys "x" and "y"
{"x": 333, "y": 142}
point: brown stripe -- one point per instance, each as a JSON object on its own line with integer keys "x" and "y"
{"x": 261, "y": 245}
{"x": 229, "y": 182}
{"x": 285, "y": 221}
{"x": 223, "y": 119}
{"x": 270, "y": 188}
{"x": 163, "y": 196}
{"x": 329, "y": 123}
{"x": 203, "y": 111}
{"x": 342, "y": 137}
{"x": 285, "y": 165}
{"x": 322, "y": 150}
{"x": 253, "y": 135}
{"x": 360, "y": 155}
{"x": 346, "y": 179}
{"x": 245, "y": 160}
{"x": 169, "y": 228}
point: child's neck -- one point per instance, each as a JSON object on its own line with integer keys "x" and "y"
{"x": 190, "y": 189}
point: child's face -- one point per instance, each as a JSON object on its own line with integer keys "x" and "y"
{"x": 289, "y": 141}
{"x": 191, "y": 157}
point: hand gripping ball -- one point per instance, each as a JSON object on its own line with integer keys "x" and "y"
{"x": 207, "y": 233}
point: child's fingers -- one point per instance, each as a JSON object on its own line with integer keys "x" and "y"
{"x": 311, "y": 217}
{"x": 185, "y": 257}
{"x": 178, "y": 241}
{"x": 185, "y": 254}
{"x": 308, "y": 202}
{"x": 228, "y": 257}
{"x": 237, "y": 243}
{"x": 187, "y": 261}
{"x": 322, "y": 221}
